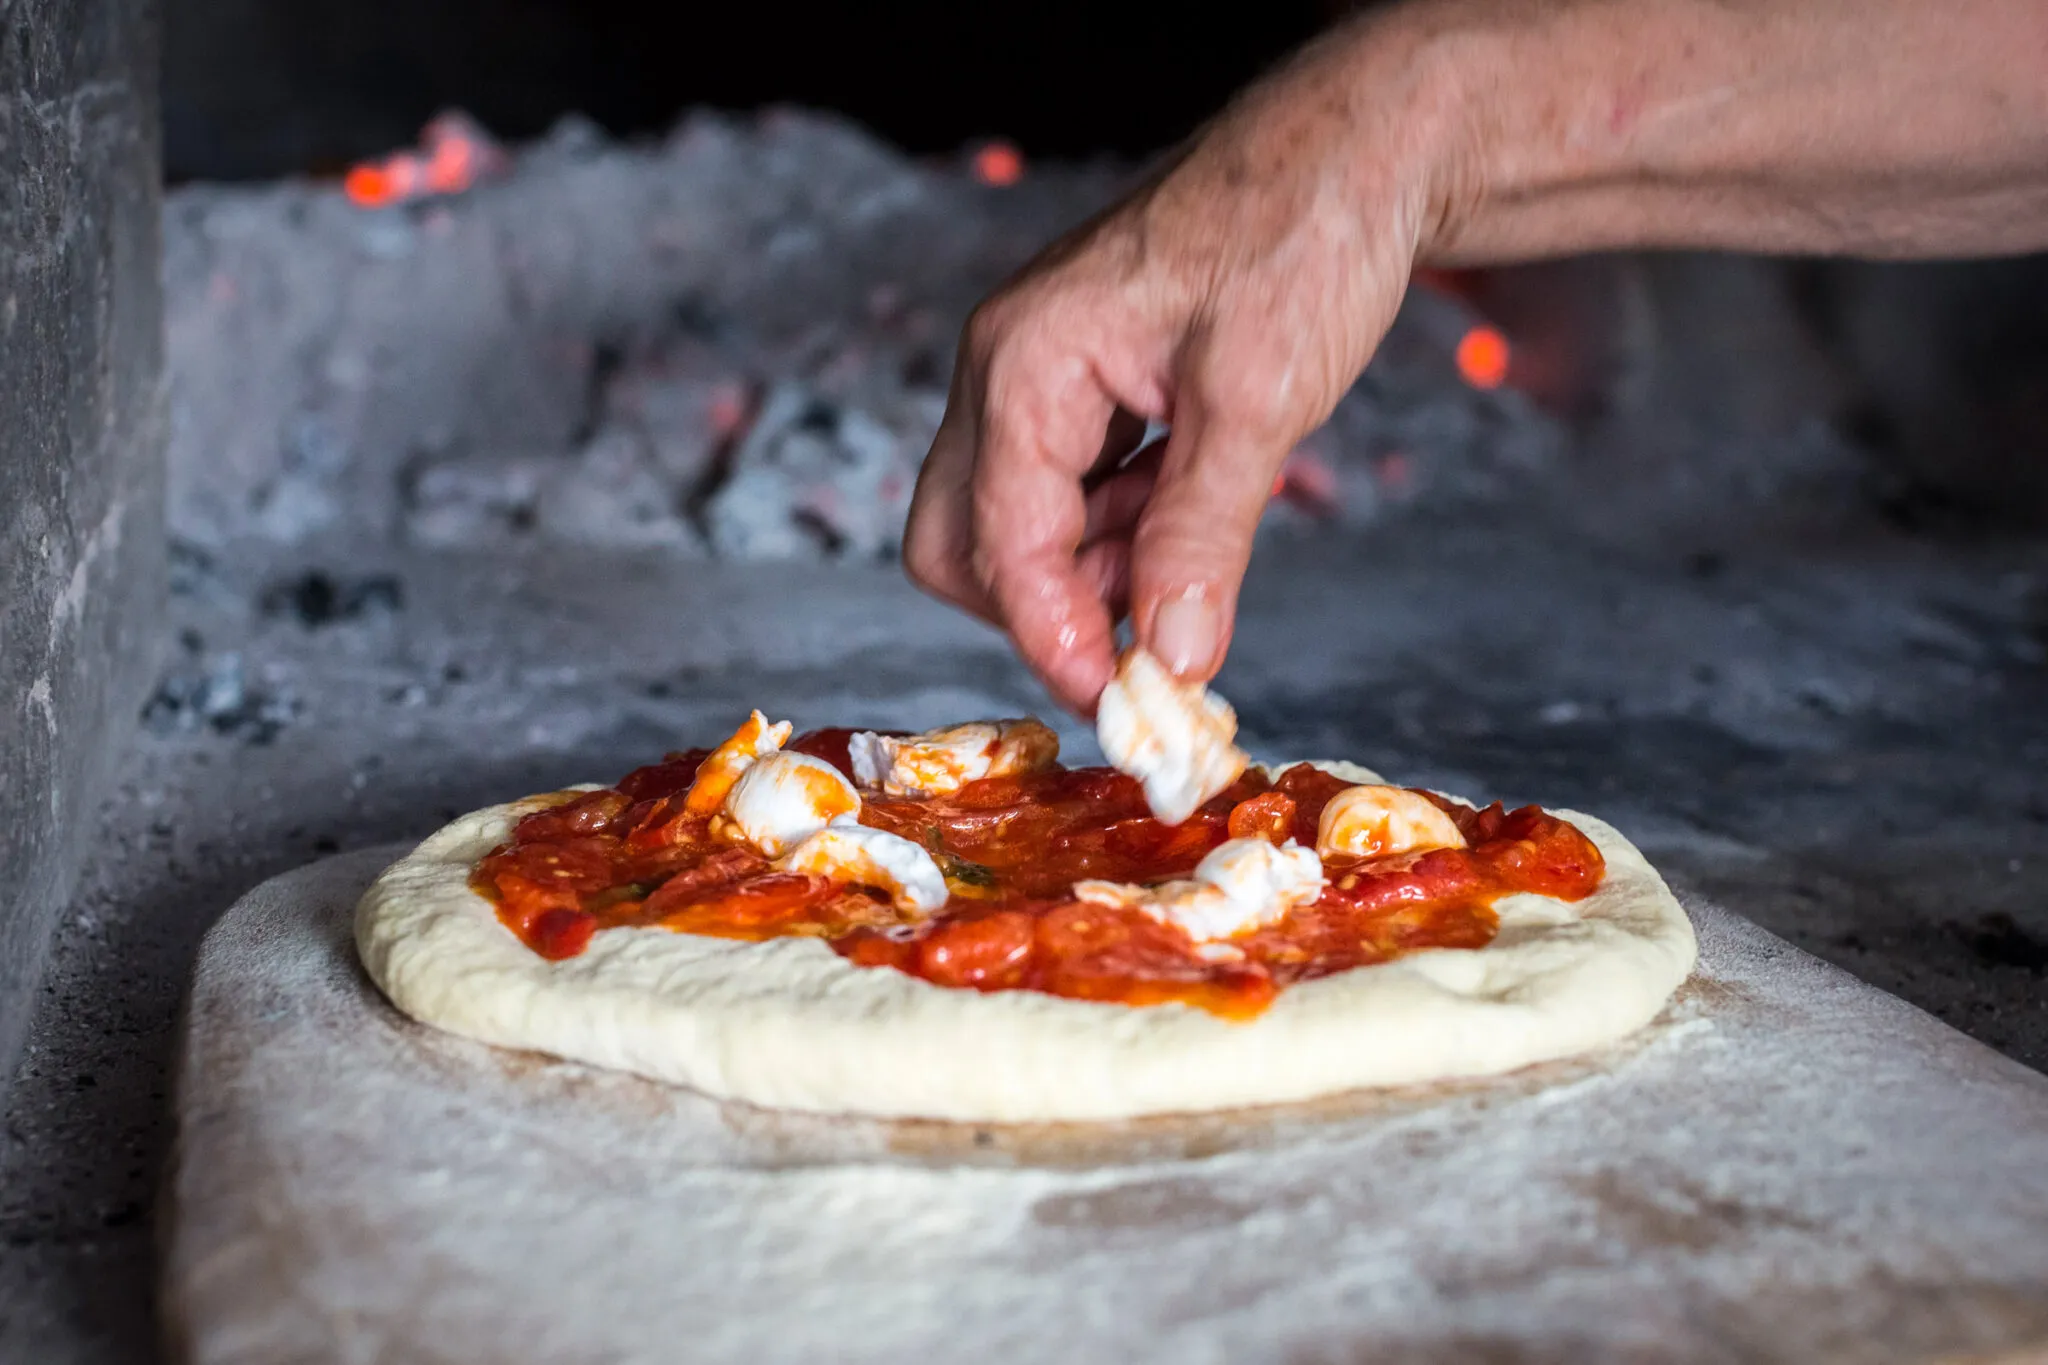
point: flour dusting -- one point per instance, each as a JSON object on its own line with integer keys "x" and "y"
{"x": 1785, "y": 1166}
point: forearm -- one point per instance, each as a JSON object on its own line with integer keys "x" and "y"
{"x": 1864, "y": 127}
{"x": 1238, "y": 293}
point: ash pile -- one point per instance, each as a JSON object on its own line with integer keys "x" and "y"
{"x": 733, "y": 343}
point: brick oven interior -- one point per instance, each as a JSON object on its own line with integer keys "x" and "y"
{"x": 326, "y": 517}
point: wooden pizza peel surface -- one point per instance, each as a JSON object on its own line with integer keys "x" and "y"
{"x": 1786, "y": 1166}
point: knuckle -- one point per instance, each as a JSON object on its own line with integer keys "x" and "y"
{"x": 990, "y": 576}
{"x": 1255, "y": 399}
{"x": 1191, "y": 543}
{"x": 1179, "y": 539}
{"x": 918, "y": 560}
{"x": 987, "y": 327}
{"x": 926, "y": 557}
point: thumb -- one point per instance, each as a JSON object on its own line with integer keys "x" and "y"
{"x": 1194, "y": 538}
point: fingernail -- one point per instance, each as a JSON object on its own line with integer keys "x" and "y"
{"x": 1184, "y": 633}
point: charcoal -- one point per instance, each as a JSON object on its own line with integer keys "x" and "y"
{"x": 816, "y": 478}
{"x": 317, "y": 598}
{"x": 216, "y": 695}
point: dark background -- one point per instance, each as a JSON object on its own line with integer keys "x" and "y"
{"x": 269, "y": 87}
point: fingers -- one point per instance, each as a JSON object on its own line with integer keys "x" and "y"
{"x": 1115, "y": 503}
{"x": 1194, "y": 537}
{"x": 1041, "y": 430}
{"x": 938, "y": 539}
{"x": 998, "y": 517}
{"x": 1126, "y": 432}
{"x": 1107, "y": 565}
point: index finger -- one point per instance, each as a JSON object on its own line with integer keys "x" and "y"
{"x": 938, "y": 535}
{"x": 1041, "y": 431}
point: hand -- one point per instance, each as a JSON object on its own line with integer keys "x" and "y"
{"x": 1235, "y": 296}
{"x": 1240, "y": 292}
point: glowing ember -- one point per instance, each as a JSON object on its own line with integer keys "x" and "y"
{"x": 729, "y": 409}
{"x": 454, "y": 153}
{"x": 1483, "y": 358}
{"x": 999, "y": 163}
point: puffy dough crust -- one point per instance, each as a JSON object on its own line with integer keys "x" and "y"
{"x": 789, "y": 1023}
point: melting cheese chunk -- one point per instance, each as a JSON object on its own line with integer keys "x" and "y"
{"x": 1375, "y": 822}
{"x": 783, "y": 799}
{"x": 723, "y": 766}
{"x": 849, "y": 851}
{"x": 1174, "y": 737}
{"x": 945, "y": 760}
{"x": 1243, "y": 884}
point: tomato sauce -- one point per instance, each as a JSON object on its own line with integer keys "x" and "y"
{"x": 1012, "y": 849}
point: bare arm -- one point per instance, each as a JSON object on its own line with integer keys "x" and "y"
{"x": 1864, "y": 127}
{"x": 1240, "y": 292}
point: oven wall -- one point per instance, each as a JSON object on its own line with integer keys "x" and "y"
{"x": 81, "y": 462}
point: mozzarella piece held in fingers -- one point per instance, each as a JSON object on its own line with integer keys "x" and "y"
{"x": 722, "y": 766}
{"x": 1175, "y": 737}
{"x": 849, "y": 851}
{"x": 1242, "y": 884}
{"x": 783, "y": 799}
{"x": 947, "y": 759}
{"x": 1376, "y": 822}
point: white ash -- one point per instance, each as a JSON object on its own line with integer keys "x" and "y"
{"x": 814, "y": 476}
{"x": 736, "y": 342}
{"x": 216, "y": 693}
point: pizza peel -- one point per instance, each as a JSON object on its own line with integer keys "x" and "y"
{"x": 1787, "y": 1165}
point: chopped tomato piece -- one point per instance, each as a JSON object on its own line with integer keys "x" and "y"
{"x": 576, "y": 865}
{"x": 1151, "y": 851}
{"x": 712, "y": 873}
{"x": 989, "y": 952}
{"x": 1536, "y": 851}
{"x": 867, "y": 948}
{"x": 662, "y": 823}
{"x": 1311, "y": 789}
{"x": 670, "y": 777}
{"x": 590, "y": 813}
{"x": 1373, "y": 884}
{"x": 558, "y": 934}
{"x": 831, "y": 744}
{"x": 521, "y": 902}
{"x": 1268, "y": 816}
{"x": 766, "y": 906}
{"x": 1102, "y": 944}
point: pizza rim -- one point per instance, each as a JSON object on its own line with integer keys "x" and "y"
{"x": 789, "y": 1023}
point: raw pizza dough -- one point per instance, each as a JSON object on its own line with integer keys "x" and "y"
{"x": 791, "y": 1024}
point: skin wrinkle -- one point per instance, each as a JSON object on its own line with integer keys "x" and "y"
{"x": 1238, "y": 291}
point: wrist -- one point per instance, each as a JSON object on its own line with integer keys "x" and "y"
{"x": 1548, "y": 121}
{"x": 1437, "y": 114}
{"x": 1496, "y": 88}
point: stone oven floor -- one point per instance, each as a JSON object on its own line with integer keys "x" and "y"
{"x": 1845, "y": 741}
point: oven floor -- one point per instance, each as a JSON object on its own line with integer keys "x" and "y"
{"x": 1846, "y": 742}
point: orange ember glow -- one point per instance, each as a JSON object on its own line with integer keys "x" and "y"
{"x": 369, "y": 186}
{"x": 999, "y": 163}
{"x": 1483, "y": 358}
{"x": 454, "y": 153}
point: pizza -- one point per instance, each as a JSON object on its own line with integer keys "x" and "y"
{"x": 955, "y": 925}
